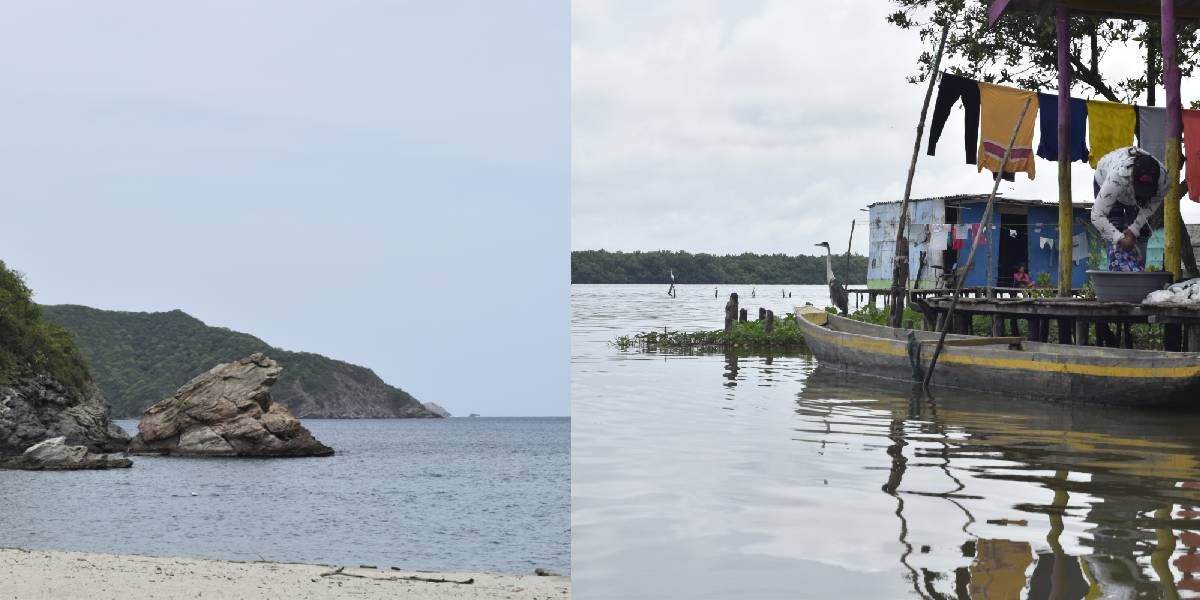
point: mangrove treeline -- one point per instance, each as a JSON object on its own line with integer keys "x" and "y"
{"x": 602, "y": 266}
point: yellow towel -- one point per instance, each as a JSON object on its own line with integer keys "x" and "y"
{"x": 1110, "y": 126}
{"x": 999, "y": 109}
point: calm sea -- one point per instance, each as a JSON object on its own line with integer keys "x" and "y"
{"x": 479, "y": 494}
{"x": 713, "y": 476}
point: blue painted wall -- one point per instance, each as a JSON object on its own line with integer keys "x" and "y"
{"x": 977, "y": 277}
{"x": 1041, "y": 260}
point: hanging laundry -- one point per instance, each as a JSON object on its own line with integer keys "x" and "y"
{"x": 1079, "y": 247}
{"x": 999, "y": 109}
{"x": 1152, "y": 131}
{"x": 1111, "y": 126}
{"x": 960, "y": 236}
{"x": 1191, "y": 147}
{"x": 950, "y": 89}
{"x": 1045, "y": 242}
{"x": 1048, "y": 123}
{"x": 937, "y": 238}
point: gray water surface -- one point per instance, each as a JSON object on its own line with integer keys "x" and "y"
{"x": 479, "y": 494}
{"x": 726, "y": 476}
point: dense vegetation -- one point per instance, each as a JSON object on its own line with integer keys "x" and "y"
{"x": 138, "y": 359}
{"x": 28, "y": 340}
{"x": 602, "y": 266}
{"x": 750, "y": 336}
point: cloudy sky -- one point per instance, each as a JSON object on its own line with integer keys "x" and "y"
{"x": 383, "y": 182}
{"x": 756, "y": 125}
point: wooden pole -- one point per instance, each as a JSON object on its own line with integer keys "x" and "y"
{"x": 900, "y": 260}
{"x": 987, "y": 217}
{"x": 1172, "y": 221}
{"x": 849, "y": 245}
{"x": 1065, "y": 221}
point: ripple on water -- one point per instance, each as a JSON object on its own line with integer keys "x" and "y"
{"x": 712, "y": 476}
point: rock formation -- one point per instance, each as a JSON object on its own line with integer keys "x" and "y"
{"x": 227, "y": 411}
{"x": 35, "y": 407}
{"x": 55, "y": 454}
{"x": 436, "y": 409}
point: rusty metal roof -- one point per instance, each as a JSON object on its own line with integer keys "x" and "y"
{"x": 960, "y": 199}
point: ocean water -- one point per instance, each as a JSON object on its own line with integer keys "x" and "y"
{"x": 754, "y": 476}
{"x": 477, "y": 494}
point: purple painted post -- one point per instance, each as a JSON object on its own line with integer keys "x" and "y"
{"x": 1170, "y": 69}
{"x": 1065, "y": 222}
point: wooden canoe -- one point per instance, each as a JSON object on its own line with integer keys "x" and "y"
{"x": 1008, "y": 366}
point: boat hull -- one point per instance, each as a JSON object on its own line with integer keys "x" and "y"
{"x": 1033, "y": 370}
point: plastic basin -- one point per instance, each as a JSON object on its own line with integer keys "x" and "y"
{"x": 1121, "y": 286}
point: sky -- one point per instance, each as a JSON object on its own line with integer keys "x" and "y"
{"x": 731, "y": 126}
{"x": 381, "y": 182}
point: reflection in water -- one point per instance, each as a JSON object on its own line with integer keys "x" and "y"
{"x": 722, "y": 476}
{"x": 1129, "y": 480}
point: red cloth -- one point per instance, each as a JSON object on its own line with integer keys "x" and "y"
{"x": 1191, "y": 152}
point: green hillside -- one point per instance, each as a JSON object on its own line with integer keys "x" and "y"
{"x": 138, "y": 359}
{"x": 28, "y": 340}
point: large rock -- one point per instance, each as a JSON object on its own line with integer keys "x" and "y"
{"x": 436, "y": 409}
{"x": 35, "y": 407}
{"x": 227, "y": 411}
{"x": 56, "y": 455}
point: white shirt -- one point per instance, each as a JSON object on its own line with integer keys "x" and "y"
{"x": 1114, "y": 175}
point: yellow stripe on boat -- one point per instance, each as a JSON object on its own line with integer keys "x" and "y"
{"x": 897, "y": 348}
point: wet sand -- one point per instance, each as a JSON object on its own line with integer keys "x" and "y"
{"x": 52, "y": 574}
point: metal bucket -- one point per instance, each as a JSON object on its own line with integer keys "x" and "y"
{"x": 1132, "y": 287}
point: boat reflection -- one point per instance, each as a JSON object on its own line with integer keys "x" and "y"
{"x": 1052, "y": 501}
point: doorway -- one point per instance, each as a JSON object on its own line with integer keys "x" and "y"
{"x": 1014, "y": 246}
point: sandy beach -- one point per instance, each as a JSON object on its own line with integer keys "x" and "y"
{"x": 29, "y": 574}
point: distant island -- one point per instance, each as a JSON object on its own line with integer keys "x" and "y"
{"x": 602, "y": 266}
{"x": 138, "y": 359}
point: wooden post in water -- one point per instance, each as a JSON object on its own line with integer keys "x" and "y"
{"x": 770, "y": 325}
{"x": 731, "y": 312}
{"x": 900, "y": 256}
{"x": 762, "y": 313}
{"x": 742, "y": 316}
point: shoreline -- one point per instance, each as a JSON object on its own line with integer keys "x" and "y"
{"x": 64, "y": 574}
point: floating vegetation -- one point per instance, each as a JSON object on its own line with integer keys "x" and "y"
{"x": 749, "y": 336}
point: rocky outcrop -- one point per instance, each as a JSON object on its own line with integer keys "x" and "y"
{"x": 55, "y": 454}
{"x": 436, "y": 409}
{"x": 34, "y": 407}
{"x": 227, "y": 411}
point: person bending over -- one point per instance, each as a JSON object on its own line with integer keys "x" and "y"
{"x": 1129, "y": 186}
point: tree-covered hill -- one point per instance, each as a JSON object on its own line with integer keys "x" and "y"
{"x": 138, "y": 359}
{"x": 602, "y": 266}
{"x": 29, "y": 340}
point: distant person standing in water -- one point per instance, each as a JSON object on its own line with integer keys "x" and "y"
{"x": 671, "y": 290}
{"x": 751, "y": 292}
{"x": 714, "y": 292}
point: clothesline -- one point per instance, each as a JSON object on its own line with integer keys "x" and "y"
{"x": 994, "y": 226}
{"x": 990, "y": 113}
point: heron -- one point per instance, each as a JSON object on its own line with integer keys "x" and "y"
{"x": 837, "y": 291}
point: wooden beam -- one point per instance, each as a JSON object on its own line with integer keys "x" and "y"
{"x": 1065, "y": 220}
{"x": 1172, "y": 221}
